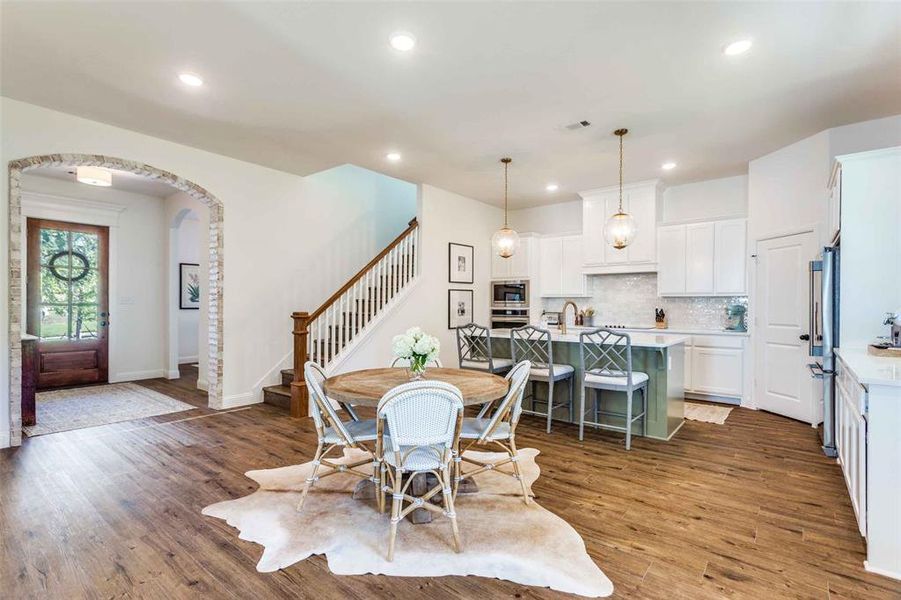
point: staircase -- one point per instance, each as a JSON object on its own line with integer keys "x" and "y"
{"x": 329, "y": 333}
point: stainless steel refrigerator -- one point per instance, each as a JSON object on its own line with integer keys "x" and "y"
{"x": 823, "y": 338}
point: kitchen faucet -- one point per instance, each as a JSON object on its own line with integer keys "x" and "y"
{"x": 562, "y": 324}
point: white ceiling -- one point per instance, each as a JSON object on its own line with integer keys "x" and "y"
{"x": 122, "y": 180}
{"x": 305, "y": 86}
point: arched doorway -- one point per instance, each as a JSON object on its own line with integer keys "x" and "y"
{"x": 16, "y": 289}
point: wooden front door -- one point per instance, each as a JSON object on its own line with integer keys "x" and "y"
{"x": 67, "y": 300}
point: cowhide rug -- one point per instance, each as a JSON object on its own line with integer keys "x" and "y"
{"x": 502, "y": 537}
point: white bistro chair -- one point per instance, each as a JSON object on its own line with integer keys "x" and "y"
{"x": 423, "y": 419}
{"x": 500, "y": 430}
{"x": 474, "y": 350}
{"x": 534, "y": 345}
{"x": 333, "y": 433}
{"x": 606, "y": 359}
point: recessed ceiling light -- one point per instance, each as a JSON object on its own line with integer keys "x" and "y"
{"x": 393, "y": 156}
{"x": 190, "y": 79}
{"x": 668, "y": 166}
{"x": 737, "y": 47}
{"x": 402, "y": 41}
{"x": 552, "y": 187}
{"x": 94, "y": 176}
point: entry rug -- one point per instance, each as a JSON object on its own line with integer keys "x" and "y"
{"x": 501, "y": 536}
{"x": 707, "y": 413}
{"x": 77, "y": 408}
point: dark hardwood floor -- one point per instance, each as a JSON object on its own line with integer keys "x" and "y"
{"x": 750, "y": 509}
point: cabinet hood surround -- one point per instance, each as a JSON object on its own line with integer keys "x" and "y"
{"x": 630, "y": 299}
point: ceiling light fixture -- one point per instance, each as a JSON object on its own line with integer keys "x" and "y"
{"x": 94, "y": 176}
{"x": 620, "y": 228}
{"x": 737, "y": 47}
{"x": 190, "y": 79}
{"x": 668, "y": 166}
{"x": 393, "y": 156}
{"x": 552, "y": 187}
{"x": 402, "y": 41}
{"x": 505, "y": 241}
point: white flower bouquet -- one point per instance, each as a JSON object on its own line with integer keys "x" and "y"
{"x": 418, "y": 347}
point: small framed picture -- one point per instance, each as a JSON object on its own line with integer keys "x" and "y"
{"x": 459, "y": 263}
{"x": 188, "y": 286}
{"x": 459, "y": 308}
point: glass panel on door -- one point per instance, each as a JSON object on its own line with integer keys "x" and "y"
{"x": 69, "y": 284}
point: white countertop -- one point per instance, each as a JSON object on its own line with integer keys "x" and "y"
{"x": 640, "y": 339}
{"x": 687, "y": 331}
{"x": 869, "y": 369}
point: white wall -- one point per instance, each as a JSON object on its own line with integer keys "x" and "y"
{"x": 188, "y": 222}
{"x": 286, "y": 248}
{"x": 137, "y": 271}
{"x": 444, "y": 217}
{"x": 723, "y": 198}
{"x": 564, "y": 217}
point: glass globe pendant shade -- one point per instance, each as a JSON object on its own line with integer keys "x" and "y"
{"x": 620, "y": 230}
{"x": 505, "y": 242}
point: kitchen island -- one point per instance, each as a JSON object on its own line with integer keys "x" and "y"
{"x": 661, "y": 356}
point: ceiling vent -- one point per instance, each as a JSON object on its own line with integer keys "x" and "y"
{"x": 578, "y": 125}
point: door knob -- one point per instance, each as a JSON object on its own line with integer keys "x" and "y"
{"x": 804, "y": 337}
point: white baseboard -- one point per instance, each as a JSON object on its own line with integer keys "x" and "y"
{"x": 878, "y": 571}
{"x": 203, "y": 384}
{"x": 137, "y": 375}
{"x": 244, "y": 399}
{"x": 4, "y": 439}
{"x": 173, "y": 374}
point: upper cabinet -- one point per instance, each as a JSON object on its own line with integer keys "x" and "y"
{"x": 641, "y": 200}
{"x": 834, "y": 209}
{"x": 702, "y": 259}
{"x": 518, "y": 266}
{"x": 560, "y": 266}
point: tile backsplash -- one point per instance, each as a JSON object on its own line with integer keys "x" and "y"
{"x": 631, "y": 300}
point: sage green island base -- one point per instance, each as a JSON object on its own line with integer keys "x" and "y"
{"x": 662, "y": 357}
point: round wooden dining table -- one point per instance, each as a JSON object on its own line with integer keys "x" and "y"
{"x": 366, "y": 388}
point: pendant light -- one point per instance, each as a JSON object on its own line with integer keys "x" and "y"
{"x": 620, "y": 228}
{"x": 505, "y": 241}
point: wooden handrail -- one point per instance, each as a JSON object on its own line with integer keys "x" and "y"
{"x": 410, "y": 227}
{"x": 302, "y": 320}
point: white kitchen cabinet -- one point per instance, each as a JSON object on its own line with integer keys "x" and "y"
{"x": 560, "y": 266}
{"x": 717, "y": 371}
{"x": 518, "y": 266}
{"x": 834, "y": 201}
{"x": 699, "y": 259}
{"x": 729, "y": 257}
{"x": 702, "y": 259}
{"x": 715, "y": 366}
{"x": 851, "y": 439}
{"x": 642, "y": 201}
{"x": 671, "y": 260}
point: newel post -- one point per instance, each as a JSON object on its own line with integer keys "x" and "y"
{"x": 299, "y": 396}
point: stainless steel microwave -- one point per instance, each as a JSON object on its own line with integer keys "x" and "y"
{"x": 509, "y": 293}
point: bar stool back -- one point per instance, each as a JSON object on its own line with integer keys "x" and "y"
{"x": 474, "y": 350}
{"x": 606, "y": 360}
{"x": 534, "y": 345}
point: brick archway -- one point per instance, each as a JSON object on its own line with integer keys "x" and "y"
{"x": 16, "y": 289}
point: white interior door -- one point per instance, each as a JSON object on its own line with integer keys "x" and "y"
{"x": 783, "y": 382}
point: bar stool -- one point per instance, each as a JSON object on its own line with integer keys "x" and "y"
{"x": 606, "y": 360}
{"x": 474, "y": 350}
{"x": 534, "y": 345}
